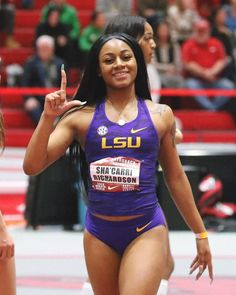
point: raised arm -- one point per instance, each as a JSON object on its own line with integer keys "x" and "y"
{"x": 180, "y": 190}
{"x": 48, "y": 144}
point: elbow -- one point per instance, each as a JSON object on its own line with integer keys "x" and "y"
{"x": 29, "y": 169}
{"x": 174, "y": 178}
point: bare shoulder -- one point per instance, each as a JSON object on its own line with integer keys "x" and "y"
{"x": 159, "y": 109}
{"x": 77, "y": 121}
{"x": 78, "y": 114}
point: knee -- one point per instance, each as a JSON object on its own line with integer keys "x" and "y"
{"x": 227, "y": 84}
{"x": 170, "y": 264}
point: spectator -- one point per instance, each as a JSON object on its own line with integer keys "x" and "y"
{"x": 27, "y": 3}
{"x": 112, "y": 8}
{"x": 168, "y": 58}
{"x": 230, "y": 21}
{"x": 69, "y": 17}
{"x": 206, "y": 7}
{"x": 154, "y": 11}
{"x": 222, "y": 33}
{"x": 59, "y": 31}
{"x": 91, "y": 32}
{"x": 7, "y": 23}
{"x": 204, "y": 58}
{"x": 41, "y": 70}
{"x": 181, "y": 17}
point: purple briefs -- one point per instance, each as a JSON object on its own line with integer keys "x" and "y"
{"x": 119, "y": 234}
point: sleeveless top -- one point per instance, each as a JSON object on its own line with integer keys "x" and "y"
{"x": 122, "y": 164}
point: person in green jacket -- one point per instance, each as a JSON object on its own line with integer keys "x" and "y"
{"x": 91, "y": 32}
{"x": 69, "y": 17}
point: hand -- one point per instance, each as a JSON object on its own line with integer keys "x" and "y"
{"x": 6, "y": 246}
{"x": 56, "y": 102}
{"x": 208, "y": 75}
{"x": 178, "y": 136}
{"x": 203, "y": 259}
{"x": 171, "y": 69}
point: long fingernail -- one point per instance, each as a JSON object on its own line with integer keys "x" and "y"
{"x": 62, "y": 67}
{"x": 83, "y": 102}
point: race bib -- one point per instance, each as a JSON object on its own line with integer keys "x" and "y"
{"x": 118, "y": 174}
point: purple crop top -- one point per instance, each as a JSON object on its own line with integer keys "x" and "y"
{"x": 122, "y": 164}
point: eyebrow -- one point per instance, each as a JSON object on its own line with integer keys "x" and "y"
{"x": 148, "y": 33}
{"x": 112, "y": 53}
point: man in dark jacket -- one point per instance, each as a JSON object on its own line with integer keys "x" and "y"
{"x": 41, "y": 70}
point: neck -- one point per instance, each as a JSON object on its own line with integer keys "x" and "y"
{"x": 121, "y": 98}
{"x": 121, "y": 106}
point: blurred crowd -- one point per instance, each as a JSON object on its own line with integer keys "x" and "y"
{"x": 196, "y": 44}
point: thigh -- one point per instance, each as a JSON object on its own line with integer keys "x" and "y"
{"x": 223, "y": 83}
{"x": 7, "y": 277}
{"x": 102, "y": 264}
{"x": 169, "y": 264}
{"x": 193, "y": 83}
{"x": 143, "y": 262}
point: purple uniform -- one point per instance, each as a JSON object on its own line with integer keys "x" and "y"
{"x": 122, "y": 162}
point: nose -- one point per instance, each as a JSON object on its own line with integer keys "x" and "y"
{"x": 153, "y": 44}
{"x": 119, "y": 62}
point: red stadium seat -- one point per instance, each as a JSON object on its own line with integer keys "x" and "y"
{"x": 206, "y": 120}
{"x": 17, "y": 118}
{"x": 19, "y": 55}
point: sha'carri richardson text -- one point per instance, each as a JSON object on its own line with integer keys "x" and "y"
{"x": 114, "y": 171}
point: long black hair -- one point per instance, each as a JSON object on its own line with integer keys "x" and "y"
{"x": 92, "y": 87}
{"x": 132, "y": 25}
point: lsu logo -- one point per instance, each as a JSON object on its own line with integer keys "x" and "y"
{"x": 122, "y": 143}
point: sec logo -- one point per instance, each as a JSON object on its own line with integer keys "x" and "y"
{"x": 102, "y": 130}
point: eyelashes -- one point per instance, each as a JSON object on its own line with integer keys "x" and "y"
{"x": 112, "y": 60}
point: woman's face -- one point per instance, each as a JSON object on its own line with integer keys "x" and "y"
{"x": 233, "y": 2}
{"x": 117, "y": 64}
{"x": 147, "y": 43}
{"x": 163, "y": 32}
{"x": 100, "y": 21}
{"x": 189, "y": 4}
{"x": 54, "y": 18}
{"x": 220, "y": 17}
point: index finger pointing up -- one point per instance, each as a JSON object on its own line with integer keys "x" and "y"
{"x": 63, "y": 79}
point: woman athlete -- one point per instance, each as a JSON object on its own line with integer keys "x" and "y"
{"x": 123, "y": 134}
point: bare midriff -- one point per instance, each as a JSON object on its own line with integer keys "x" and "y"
{"x": 116, "y": 218}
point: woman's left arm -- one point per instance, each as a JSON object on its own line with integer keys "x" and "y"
{"x": 181, "y": 192}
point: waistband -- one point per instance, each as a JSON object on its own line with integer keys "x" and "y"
{"x": 129, "y": 222}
